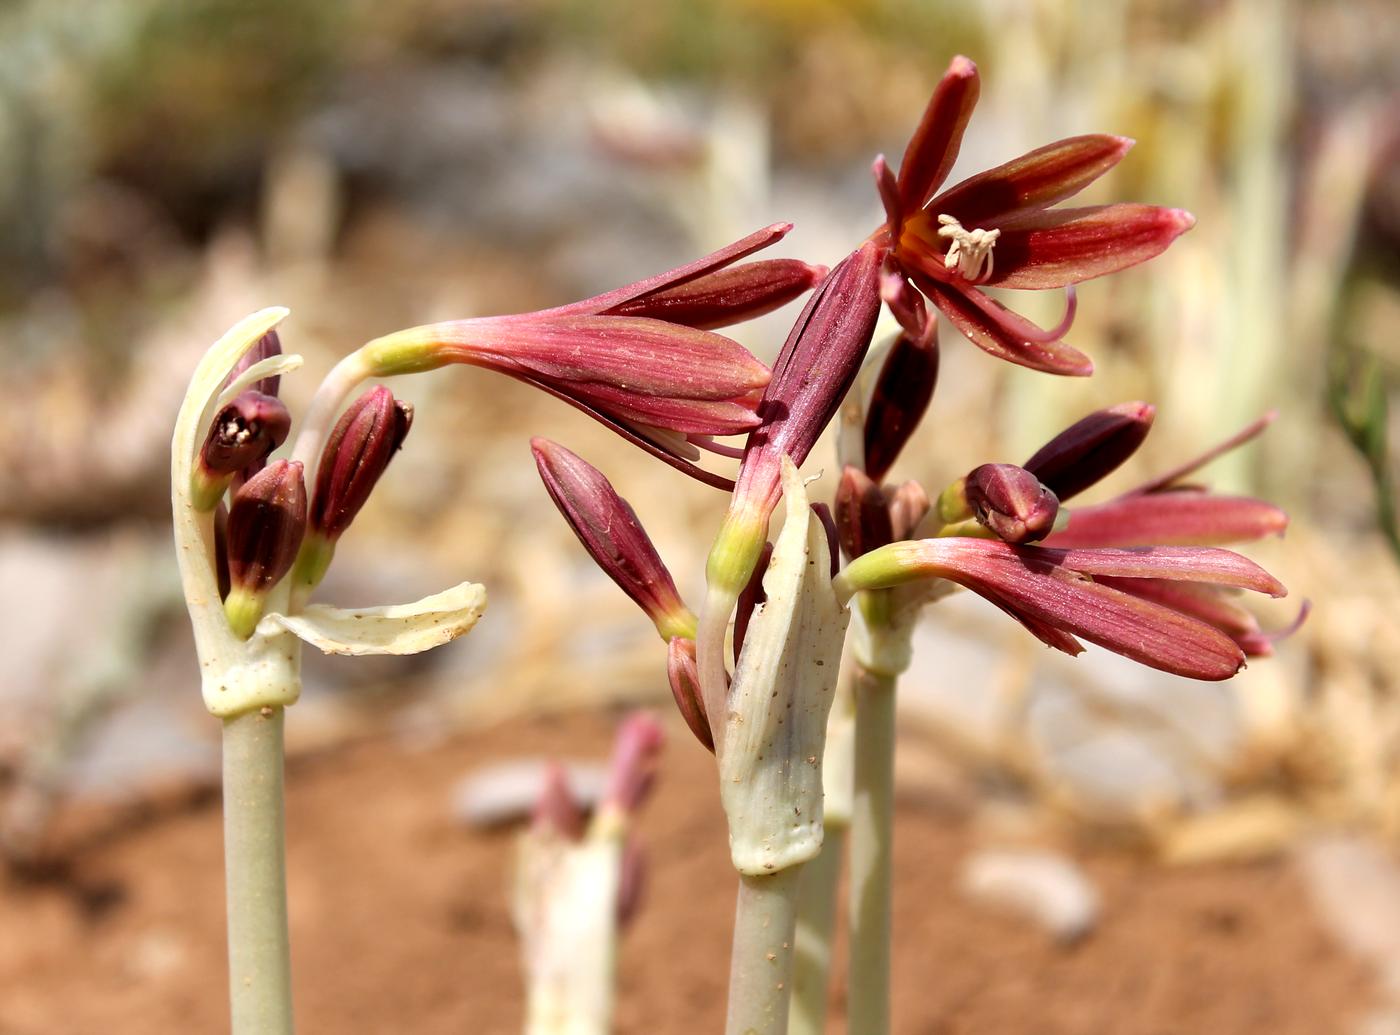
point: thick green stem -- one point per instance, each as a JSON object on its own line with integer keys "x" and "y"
{"x": 760, "y": 970}
{"x": 816, "y": 923}
{"x": 260, "y": 977}
{"x": 872, "y": 827}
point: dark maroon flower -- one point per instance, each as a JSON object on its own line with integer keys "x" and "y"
{"x": 242, "y": 436}
{"x": 1091, "y": 449}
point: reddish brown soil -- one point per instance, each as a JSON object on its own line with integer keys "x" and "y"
{"x": 399, "y": 922}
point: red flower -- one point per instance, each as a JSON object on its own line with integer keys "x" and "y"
{"x": 996, "y": 229}
{"x": 636, "y": 359}
{"x": 1062, "y": 595}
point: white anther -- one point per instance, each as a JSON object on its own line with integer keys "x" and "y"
{"x": 971, "y": 251}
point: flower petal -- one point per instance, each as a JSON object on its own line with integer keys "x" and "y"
{"x": 727, "y": 255}
{"x": 1208, "y": 603}
{"x": 933, "y": 148}
{"x": 1027, "y": 582}
{"x": 1065, "y": 246}
{"x": 638, "y": 355}
{"x": 727, "y": 296}
{"x": 1172, "y": 519}
{"x": 1180, "y": 563}
{"x": 1037, "y": 179}
{"x": 1007, "y": 335}
{"x": 394, "y": 629}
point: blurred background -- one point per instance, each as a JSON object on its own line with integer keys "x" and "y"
{"x": 1223, "y": 852}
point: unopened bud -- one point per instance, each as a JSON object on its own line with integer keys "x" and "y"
{"x": 608, "y": 528}
{"x": 267, "y": 346}
{"x": 557, "y": 812}
{"x": 636, "y": 752}
{"x": 752, "y": 596}
{"x": 953, "y": 506}
{"x": 900, "y": 399}
{"x": 862, "y": 517}
{"x": 1090, "y": 449}
{"x": 360, "y": 447}
{"x": 265, "y": 527}
{"x": 685, "y": 687}
{"x": 243, "y": 434}
{"x": 907, "y": 505}
{"x": 727, "y": 296}
{"x": 1011, "y": 502}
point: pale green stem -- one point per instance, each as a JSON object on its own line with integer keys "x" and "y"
{"x": 760, "y": 969}
{"x": 872, "y": 828}
{"x": 260, "y": 977}
{"x": 816, "y": 923}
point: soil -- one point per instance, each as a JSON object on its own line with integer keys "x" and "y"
{"x": 399, "y": 920}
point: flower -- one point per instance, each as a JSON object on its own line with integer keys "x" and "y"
{"x": 1060, "y": 595}
{"x": 640, "y": 359}
{"x": 1161, "y": 514}
{"x": 997, "y": 229}
{"x": 265, "y": 527}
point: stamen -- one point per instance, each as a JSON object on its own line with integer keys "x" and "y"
{"x": 971, "y": 251}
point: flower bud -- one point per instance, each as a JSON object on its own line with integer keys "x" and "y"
{"x": 360, "y": 447}
{"x": 685, "y": 687}
{"x": 862, "y": 518}
{"x": 907, "y": 505}
{"x": 266, "y": 347}
{"x": 557, "y": 812}
{"x": 1089, "y": 450}
{"x": 1011, "y": 502}
{"x": 636, "y": 752}
{"x": 265, "y": 527}
{"x": 901, "y": 397}
{"x": 608, "y": 528}
{"x": 753, "y": 596}
{"x": 241, "y": 437}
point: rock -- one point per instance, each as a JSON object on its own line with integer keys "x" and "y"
{"x": 507, "y": 791}
{"x": 1044, "y": 887}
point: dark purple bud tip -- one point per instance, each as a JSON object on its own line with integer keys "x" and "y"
{"x": 684, "y": 677}
{"x": 1011, "y": 502}
{"x": 899, "y": 401}
{"x": 360, "y": 447}
{"x": 243, "y": 434}
{"x": 1089, "y": 450}
{"x": 608, "y": 528}
{"x": 862, "y": 517}
{"x": 265, "y": 527}
{"x": 267, "y": 346}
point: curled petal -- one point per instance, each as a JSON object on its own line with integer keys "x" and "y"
{"x": 394, "y": 629}
{"x": 1239, "y": 438}
{"x": 1036, "y": 180}
{"x": 933, "y": 148}
{"x": 1066, "y": 246}
{"x": 1004, "y": 334}
{"x": 1171, "y": 518}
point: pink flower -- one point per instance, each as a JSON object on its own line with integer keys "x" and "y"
{"x": 635, "y": 359}
{"x": 997, "y": 229}
{"x": 1061, "y": 596}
